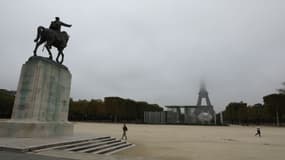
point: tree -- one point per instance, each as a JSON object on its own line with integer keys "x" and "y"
{"x": 236, "y": 113}
{"x": 276, "y": 105}
{"x": 111, "y": 109}
{"x": 255, "y": 113}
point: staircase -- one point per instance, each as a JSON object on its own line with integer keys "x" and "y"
{"x": 100, "y": 145}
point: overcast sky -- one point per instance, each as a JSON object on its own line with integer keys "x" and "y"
{"x": 155, "y": 50}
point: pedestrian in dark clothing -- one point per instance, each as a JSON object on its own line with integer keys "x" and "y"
{"x": 258, "y": 132}
{"x": 125, "y": 129}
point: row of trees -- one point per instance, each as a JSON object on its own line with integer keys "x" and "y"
{"x": 6, "y": 103}
{"x": 118, "y": 109}
{"x": 271, "y": 112}
{"x": 111, "y": 109}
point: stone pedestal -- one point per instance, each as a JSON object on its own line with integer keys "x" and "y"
{"x": 42, "y": 101}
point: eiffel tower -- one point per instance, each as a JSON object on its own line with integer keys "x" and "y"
{"x": 203, "y": 93}
{"x": 203, "y": 113}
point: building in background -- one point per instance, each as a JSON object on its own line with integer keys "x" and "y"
{"x": 195, "y": 114}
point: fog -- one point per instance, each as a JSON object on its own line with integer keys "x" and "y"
{"x": 155, "y": 51}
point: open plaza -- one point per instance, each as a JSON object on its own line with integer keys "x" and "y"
{"x": 185, "y": 142}
{"x": 129, "y": 80}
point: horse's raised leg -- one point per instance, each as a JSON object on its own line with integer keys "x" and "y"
{"x": 57, "y": 57}
{"x": 62, "y": 57}
{"x": 37, "y": 46}
{"x": 49, "y": 52}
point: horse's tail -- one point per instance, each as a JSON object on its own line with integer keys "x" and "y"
{"x": 39, "y": 31}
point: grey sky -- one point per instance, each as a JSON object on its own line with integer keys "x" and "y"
{"x": 156, "y": 50}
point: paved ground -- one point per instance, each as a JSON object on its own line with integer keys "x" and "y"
{"x": 183, "y": 142}
{"x": 168, "y": 142}
{"x": 24, "y": 156}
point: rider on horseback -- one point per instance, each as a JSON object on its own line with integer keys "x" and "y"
{"x": 56, "y": 24}
{"x": 52, "y": 37}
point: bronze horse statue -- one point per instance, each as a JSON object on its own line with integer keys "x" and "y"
{"x": 51, "y": 38}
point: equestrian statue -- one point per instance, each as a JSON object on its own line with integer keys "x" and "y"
{"x": 52, "y": 36}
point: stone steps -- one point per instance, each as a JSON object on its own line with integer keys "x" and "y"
{"x": 64, "y": 144}
{"x": 101, "y": 145}
{"x": 99, "y": 148}
{"x": 93, "y": 145}
{"x": 91, "y": 142}
{"x": 115, "y": 149}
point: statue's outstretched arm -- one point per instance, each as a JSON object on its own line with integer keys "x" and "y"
{"x": 65, "y": 25}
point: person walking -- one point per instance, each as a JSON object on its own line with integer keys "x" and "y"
{"x": 125, "y": 129}
{"x": 258, "y": 132}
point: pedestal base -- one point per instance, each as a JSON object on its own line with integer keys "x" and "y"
{"x": 35, "y": 129}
